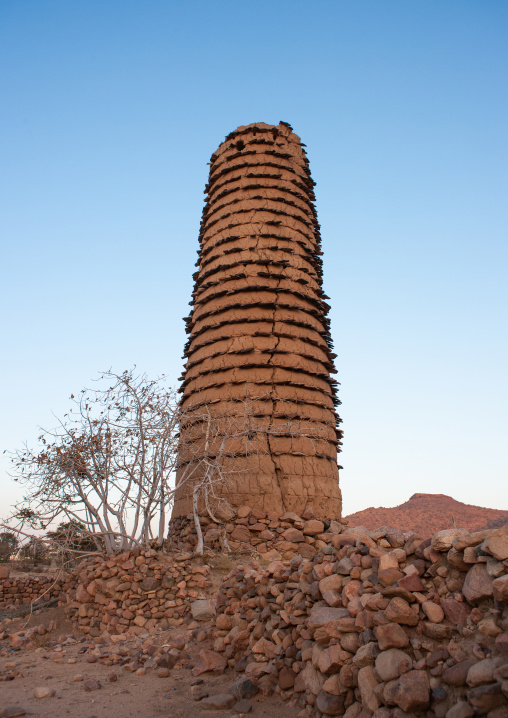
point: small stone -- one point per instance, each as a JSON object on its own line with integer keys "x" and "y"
{"x": 243, "y": 706}
{"x": 392, "y": 663}
{"x": 399, "y": 611}
{"x": 286, "y": 678}
{"x": 412, "y": 582}
{"x": 43, "y": 692}
{"x": 391, "y": 636}
{"x": 497, "y": 543}
{"x": 500, "y": 588}
{"x": 112, "y": 677}
{"x": 478, "y": 584}
{"x": 456, "y": 612}
{"x": 313, "y": 527}
{"x": 12, "y": 712}
{"x": 433, "y": 611}
{"x": 389, "y": 576}
{"x": 321, "y": 615}
{"x": 330, "y": 583}
{"x": 462, "y": 709}
{"x": 329, "y": 704}
{"x": 439, "y": 694}
{"x": 456, "y": 675}
{"x": 481, "y": 672}
{"x": 202, "y": 610}
{"x": 411, "y": 691}
{"x": 219, "y": 702}
{"x": 78, "y": 678}
{"x": 92, "y": 685}
{"x": 293, "y": 535}
{"x": 443, "y": 540}
{"x": 245, "y": 688}
{"x": 489, "y": 627}
{"x": 367, "y": 682}
{"x": 163, "y": 672}
{"x": 223, "y": 622}
{"x": 486, "y": 698}
{"x": 167, "y": 660}
{"x": 209, "y": 661}
{"x": 199, "y": 693}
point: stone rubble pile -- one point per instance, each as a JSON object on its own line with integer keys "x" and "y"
{"x": 136, "y": 591}
{"x": 380, "y": 624}
{"x": 274, "y": 536}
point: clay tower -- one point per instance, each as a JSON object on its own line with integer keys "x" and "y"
{"x": 259, "y": 332}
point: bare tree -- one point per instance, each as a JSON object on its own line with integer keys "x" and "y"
{"x": 110, "y": 466}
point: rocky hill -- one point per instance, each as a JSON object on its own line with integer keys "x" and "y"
{"x": 428, "y": 513}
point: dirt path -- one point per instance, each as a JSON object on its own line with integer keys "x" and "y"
{"x": 129, "y": 696}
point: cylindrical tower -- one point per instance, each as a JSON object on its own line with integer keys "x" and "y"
{"x": 259, "y": 355}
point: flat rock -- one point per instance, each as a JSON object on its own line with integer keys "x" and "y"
{"x": 243, "y": 706}
{"x": 313, "y": 527}
{"x": 209, "y": 661}
{"x": 411, "y": 691}
{"x": 456, "y": 612}
{"x": 391, "y": 636}
{"x": 443, "y": 540}
{"x": 12, "y": 712}
{"x": 202, "y": 610}
{"x": 330, "y": 583}
{"x": 478, "y": 584}
{"x": 321, "y": 615}
{"x": 456, "y": 675}
{"x": 219, "y": 702}
{"x": 43, "y": 692}
{"x": 497, "y": 543}
{"x": 462, "y": 709}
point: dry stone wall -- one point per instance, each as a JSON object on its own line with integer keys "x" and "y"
{"x": 19, "y": 590}
{"x": 136, "y": 591}
{"x": 252, "y": 530}
{"x": 259, "y": 349}
{"x": 380, "y": 625}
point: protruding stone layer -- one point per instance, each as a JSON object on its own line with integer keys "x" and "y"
{"x": 259, "y": 332}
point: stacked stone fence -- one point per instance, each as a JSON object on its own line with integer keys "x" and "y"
{"x": 136, "y": 591}
{"x": 380, "y": 624}
{"x": 16, "y": 591}
{"x": 267, "y": 533}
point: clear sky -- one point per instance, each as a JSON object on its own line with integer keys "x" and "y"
{"x": 110, "y": 110}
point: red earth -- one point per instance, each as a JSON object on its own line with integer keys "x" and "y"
{"x": 428, "y": 513}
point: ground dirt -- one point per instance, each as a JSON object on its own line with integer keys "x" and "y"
{"x": 130, "y": 696}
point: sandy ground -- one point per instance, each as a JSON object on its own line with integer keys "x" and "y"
{"x": 130, "y": 696}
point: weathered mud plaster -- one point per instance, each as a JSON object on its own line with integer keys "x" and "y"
{"x": 259, "y": 329}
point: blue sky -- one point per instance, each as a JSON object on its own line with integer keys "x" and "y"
{"x": 110, "y": 112}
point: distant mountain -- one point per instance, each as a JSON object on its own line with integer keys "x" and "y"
{"x": 428, "y": 513}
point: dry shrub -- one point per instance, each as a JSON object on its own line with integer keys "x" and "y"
{"x": 224, "y": 562}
